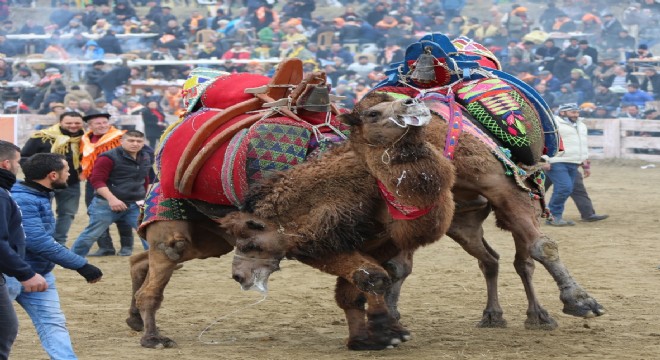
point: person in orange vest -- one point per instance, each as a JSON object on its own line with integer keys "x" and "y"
{"x": 100, "y": 137}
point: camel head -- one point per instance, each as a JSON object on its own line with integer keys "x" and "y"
{"x": 260, "y": 247}
{"x": 380, "y": 119}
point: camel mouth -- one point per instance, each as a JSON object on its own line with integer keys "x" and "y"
{"x": 258, "y": 282}
{"x": 415, "y": 115}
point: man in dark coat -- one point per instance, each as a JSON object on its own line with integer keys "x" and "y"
{"x": 114, "y": 78}
{"x": 12, "y": 248}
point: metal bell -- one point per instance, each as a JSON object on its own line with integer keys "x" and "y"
{"x": 424, "y": 68}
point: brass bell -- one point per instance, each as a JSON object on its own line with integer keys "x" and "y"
{"x": 424, "y": 68}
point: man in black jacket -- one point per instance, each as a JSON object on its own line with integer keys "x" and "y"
{"x": 120, "y": 178}
{"x": 115, "y": 78}
{"x": 12, "y": 248}
{"x": 62, "y": 138}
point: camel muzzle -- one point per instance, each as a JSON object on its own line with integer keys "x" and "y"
{"x": 413, "y": 113}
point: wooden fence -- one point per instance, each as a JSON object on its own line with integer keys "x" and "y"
{"x": 624, "y": 139}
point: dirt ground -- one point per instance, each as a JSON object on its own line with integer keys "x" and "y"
{"x": 615, "y": 260}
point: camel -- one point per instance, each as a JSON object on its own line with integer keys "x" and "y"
{"x": 382, "y": 195}
{"x": 481, "y": 187}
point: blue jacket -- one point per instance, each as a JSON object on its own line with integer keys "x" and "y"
{"x": 43, "y": 252}
{"x": 12, "y": 240}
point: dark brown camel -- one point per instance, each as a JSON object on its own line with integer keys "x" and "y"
{"x": 331, "y": 215}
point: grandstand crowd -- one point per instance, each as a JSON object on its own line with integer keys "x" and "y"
{"x": 581, "y": 51}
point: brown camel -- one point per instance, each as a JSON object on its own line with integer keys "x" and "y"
{"x": 381, "y": 196}
{"x": 481, "y": 186}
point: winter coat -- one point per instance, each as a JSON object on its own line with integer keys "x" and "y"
{"x": 12, "y": 239}
{"x": 574, "y": 137}
{"x": 42, "y": 251}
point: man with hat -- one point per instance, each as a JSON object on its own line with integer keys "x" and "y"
{"x": 62, "y": 138}
{"x": 562, "y": 170}
{"x": 100, "y": 138}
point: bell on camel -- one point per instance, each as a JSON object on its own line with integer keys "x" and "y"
{"x": 424, "y": 68}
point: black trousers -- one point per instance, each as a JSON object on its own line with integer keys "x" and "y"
{"x": 8, "y": 321}
{"x": 579, "y": 195}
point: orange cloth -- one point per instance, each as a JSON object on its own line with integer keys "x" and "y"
{"x": 591, "y": 17}
{"x": 386, "y": 25}
{"x": 90, "y": 152}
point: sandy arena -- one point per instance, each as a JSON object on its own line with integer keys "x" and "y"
{"x": 615, "y": 260}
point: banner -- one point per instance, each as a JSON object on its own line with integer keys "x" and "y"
{"x": 8, "y": 129}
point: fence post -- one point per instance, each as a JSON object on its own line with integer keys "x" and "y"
{"x": 612, "y": 138}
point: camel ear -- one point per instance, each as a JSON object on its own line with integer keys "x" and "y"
{"x": 351, "y": 119}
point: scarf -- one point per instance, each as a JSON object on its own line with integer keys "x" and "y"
{"x": 90, "y": 151}
{"x": 7, "y": 179}
{"x": 62, "y": 143}
{"x": 194, "y": 23}
{"x": 158, "y": 114}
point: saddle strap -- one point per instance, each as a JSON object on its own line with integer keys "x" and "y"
{"x": 455, "y": 121}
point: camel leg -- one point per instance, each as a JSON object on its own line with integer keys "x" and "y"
{"x": 139, "y": 267}
{"x": 532, "y": 245}
{"x": 171, "y": 242}
{"x": 467, "y": 230}
{"x": 361, "y": 280}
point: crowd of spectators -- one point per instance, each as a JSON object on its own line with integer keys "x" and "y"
{"x": 574, "y": 51}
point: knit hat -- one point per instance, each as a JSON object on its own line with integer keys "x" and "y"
{"x": 568, "y": 107}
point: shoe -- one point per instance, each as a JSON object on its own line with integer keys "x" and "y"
{"x": 124, "y": 253}
{"x": 595, "y": 217}
{"x": 103, "y": 252}
{"x": 557, "y": 221}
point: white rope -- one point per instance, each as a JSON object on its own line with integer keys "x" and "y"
{"x": 213, "y": 342}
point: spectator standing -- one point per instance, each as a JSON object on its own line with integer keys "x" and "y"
{"x": 43, "y": 174}
{"x": 115, "y": 78}
{"x": 562, "y": 169}
{"x": 64, "y": 139}
{"x": 363, "y": 66}
{"x": 12, "y": 248}
{"x": 100, "y": 138}
{"x": 580, "y": 195}
{"x": 92, "y": 78}
{"x": 120, "y": 178}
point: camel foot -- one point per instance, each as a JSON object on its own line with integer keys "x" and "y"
{"x": 578, "y": 303}
{"x": 157, "y": 342}
{"x": 367, "y": 344}
{"x": 372, "y": 280}
{"x": 135, "y": 322}
{"x": 492, "y": 319}
{"x": 540, "y": 320}
{"x": 386, "y": 331}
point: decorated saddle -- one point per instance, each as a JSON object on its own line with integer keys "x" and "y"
{"x": 510, "y": 110}
{"x": 237, "y": 128}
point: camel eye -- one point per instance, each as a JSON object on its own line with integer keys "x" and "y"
{"x": 372, "y": 113}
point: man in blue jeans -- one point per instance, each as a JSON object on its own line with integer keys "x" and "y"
{"x": 62, "y": 138}
{"x": 43, "y": 173}
{"x": 12, "y": 248}
{"x": 120, "y": 178}
{"x": 563, "y": 168}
